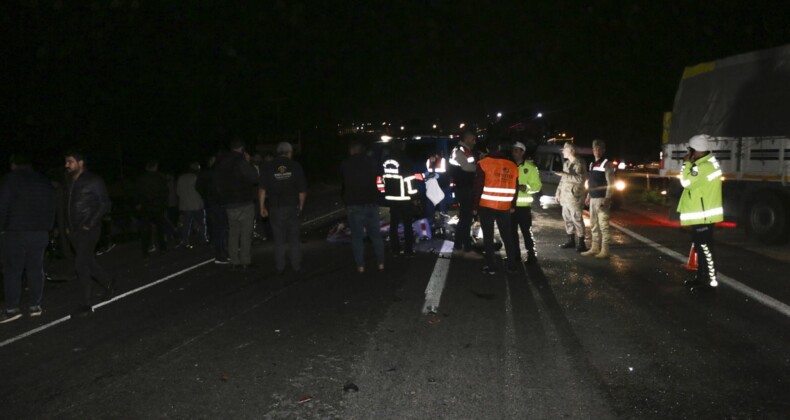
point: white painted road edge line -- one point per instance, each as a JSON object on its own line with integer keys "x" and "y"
{"x": 761, "y": 297}
{"x": 433, "y": 292}
{"x": 106, "y": 302}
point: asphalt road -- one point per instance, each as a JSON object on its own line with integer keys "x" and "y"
{"x": 572, "y": 337}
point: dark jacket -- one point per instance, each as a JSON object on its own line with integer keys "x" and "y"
{"x": 207, "y": 188}
{"x": 283, "y": 179}
{"x": 87, "y": 201}
{"x": 358, "y": 176}
{"x": 27, "y": 202}
{"x": 235, "y": 180}
{"x": 152, "y": 192}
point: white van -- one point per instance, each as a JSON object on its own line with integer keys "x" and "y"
{"x": 548, "y": 159}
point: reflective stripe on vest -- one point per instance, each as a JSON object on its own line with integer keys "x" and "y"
{"x": 702, "y": 215}
{"x": 528, "y": 199}
{"x": 501, "y": 177}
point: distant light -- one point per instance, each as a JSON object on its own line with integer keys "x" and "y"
{"x": 540, "y": 115}
{"x": 621, "y": 165}
{"x": 619, "y": 185}
{"x": 434, "y": 126}
{"x": 499, "y": 115}
{"x": 386, "y": 138}
{"x": 562, "y": 135}
{"x": 417, "y": 138}
{"x": 402, "y": 128}
{"x": 663, "y": 192}
{"x": 462, "y": 125}
{"x": 384, "y": 123}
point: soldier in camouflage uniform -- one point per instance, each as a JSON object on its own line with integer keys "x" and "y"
{"x": 570, "y": 193}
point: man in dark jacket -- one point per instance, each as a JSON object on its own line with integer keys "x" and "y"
{"x": 217, "y": 217}
{"x": 283, "y": 189}
{"x": 152, "y": 195}
{"x": 27, "y": 212}
{"x": 236, "y": 181}
{"x": 87, "y": 203}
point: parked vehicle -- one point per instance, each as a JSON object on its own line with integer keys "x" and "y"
{"x": 743, "y": 102}
{"x": 549, "y": 160}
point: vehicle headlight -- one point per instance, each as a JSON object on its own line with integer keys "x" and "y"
{"x": 619, "y": 185}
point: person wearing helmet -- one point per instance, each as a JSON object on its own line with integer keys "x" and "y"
{"x": 700, "y": 206}
{"x": 528, "y": 185}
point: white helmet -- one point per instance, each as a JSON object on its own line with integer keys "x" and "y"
{"x": 701, "y": 142}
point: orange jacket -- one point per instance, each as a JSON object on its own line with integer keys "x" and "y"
{"x": 496, "y": 181}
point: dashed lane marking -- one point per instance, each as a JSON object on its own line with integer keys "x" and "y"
{"x": 107, "y": 302}
{"x": 757, "y": 295}
{"x": 433, "y": 292}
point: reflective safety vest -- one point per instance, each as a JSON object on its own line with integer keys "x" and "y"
{"x": 439, "y": 167}
{"x": 701, "y": 201}
{"x": 501, "y": 176}
{"x": 397, "y": 187}
{"x": 529, "y": 176}
{"x": 461, "y": 177}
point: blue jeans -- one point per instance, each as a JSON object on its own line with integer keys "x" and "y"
{"x": 23, "y": 253}
{"x": 193, "y": 216}
{"x": 361, "y": 219}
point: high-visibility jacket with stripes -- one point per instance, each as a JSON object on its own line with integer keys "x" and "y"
{"x": 398, "y": 184}
{"x": 529, "y": 176}
{"x": 499, "y": 187}
{"x": 701, "y": 201}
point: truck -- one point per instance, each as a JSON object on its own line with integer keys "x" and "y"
{"x": 743, "y": 103}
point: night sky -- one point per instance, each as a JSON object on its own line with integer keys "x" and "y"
{"x": 128, "y": 80}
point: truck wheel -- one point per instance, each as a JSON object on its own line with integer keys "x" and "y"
{"x": 767, "y": 220}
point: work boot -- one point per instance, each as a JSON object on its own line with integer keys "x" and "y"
{"x": 604, "y": 252}
{"x": 532, "y": 258}
{"x": 592, "y": 252}
{"x": 570, "y": 244}
{"x": 580, "y": 245}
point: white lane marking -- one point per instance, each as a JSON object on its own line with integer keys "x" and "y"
{"x": 433, "y": 292}
{"x": 511, "y": 371}
{"x": 35, "y": 330}
{"x": 761, "y": 297}
{"x": 146, "y": 286}
{"x": 131, "y": 292}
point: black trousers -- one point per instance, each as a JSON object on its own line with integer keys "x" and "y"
{"x": 502, "y": 218}
{"x": 401, "y": 212}
{"x": 88, "y": 270}
{"x": 522, "y": 219}
{"x": 151, "y": 219}
{"x": 463, "y": 238}
{"x": 702, "y": 239}
{"x": 23, "y": 254}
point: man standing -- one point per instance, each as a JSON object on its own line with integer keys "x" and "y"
{"x": 600, "y": 181}
{"x": 570, "y": 193}
{"x": 399, "y": 190}
{"x": 235, "y": 180}
{"x": 152, "y": 197}
{"x": 217, "y": 217}
{"x": 87, "y": 202}
{"x": 283, "y": 184}
{"x": 462, "y": 169}
{"x": 700, "y": 207}
{"x": 27, "y": 213}
{"x": 361, "y": 197}
{"x": 190, "y": 203}
{"x": 528, "y": 185}
{"x": 494, "y": 195}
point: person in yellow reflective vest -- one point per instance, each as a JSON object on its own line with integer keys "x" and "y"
{"x": 700, "y": 207}
{"x": 528, "y": 185}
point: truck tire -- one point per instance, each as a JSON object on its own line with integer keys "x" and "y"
{"x": 766, "y": 220}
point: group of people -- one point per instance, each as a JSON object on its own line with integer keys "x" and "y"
{"x": 235, "y": 189}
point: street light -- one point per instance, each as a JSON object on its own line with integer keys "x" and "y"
{"x": 540, "y": 115}
{"x": 462, "y": 125}
{"x": 402, "y": 128}
{"x": 434, "y": 126}
{"x": 499, "y": 115}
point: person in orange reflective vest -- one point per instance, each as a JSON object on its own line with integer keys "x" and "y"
{"x": 494, "y": 200}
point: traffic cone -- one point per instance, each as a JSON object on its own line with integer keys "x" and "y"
{"x": 692, "y": 262}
